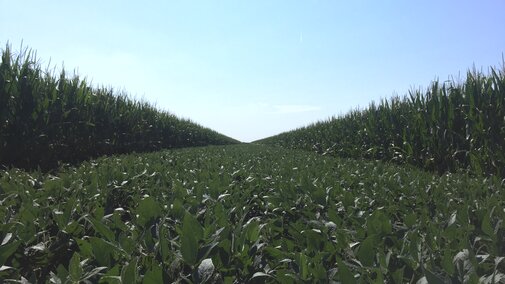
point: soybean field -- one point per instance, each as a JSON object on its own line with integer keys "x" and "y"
{"x": 249, "y": 214}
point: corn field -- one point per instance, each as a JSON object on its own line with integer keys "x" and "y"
{"x": 45, "y": 119}
{"x": 448, "y": 127}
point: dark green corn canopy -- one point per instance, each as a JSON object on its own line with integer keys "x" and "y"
{"x": 45, "y": 119}
{"x": 448, "y": 127}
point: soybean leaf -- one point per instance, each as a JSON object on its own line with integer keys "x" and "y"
{"x": 85, "y": 248}
{"x": 129, "y": 272}
{"x": 366, "y": 252}
{"x": 398, "y": 275}
{"x": 153, "y": 276}
{"x": 303, "y": 266}
{"x": 344, "y": 273}
{"x": 148, "y": 209}
{"x": 192, "y": 232}
{"x": 102, "y": 229}
{"x": 7, "y": 250}
{"x": 164, "y": 243}
{"x": 102, "y": 251}
{"x": 74, "y": 267}
{"x": 486, "y": 225}
{"x": 252, "y": 231}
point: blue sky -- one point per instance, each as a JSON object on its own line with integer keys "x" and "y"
{"x": 252, "y": 69}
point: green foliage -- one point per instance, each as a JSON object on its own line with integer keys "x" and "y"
{"x": 191, "y": 235}
{"x": 47, "y": 119}
{"x": 450, "y": 126}
{"x": 147, "y": 211}
{"x": 250, "y": 213}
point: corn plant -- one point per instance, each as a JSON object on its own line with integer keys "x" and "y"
{"x": 47, "y": 119}
{"x": 448, "y": 127}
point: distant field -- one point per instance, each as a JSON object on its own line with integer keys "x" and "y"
{"x": 249, "y": 213}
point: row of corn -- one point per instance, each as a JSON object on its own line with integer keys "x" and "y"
{"x": 45, "y": 119}
{"x": 450, "y": 126}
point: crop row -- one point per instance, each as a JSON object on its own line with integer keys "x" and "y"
{"x": 448, "y": 127}
{"x": 248, "y": 213}
{"x": 45, "y": 119}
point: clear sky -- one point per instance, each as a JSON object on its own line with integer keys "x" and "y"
{"x": 252, "y": 69}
